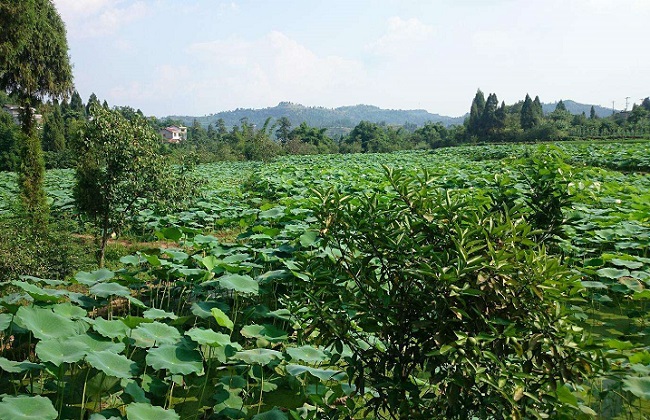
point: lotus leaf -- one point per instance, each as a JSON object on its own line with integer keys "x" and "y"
{"x": 58, "y": 351}
{"x": 612, "y": 273}
{"x": 111, "y": 329}
{"x": 154, "y": 313}
{"x": 44, "y": 323}
{"x": 307, "y": 354}
{"x": 40, "y": 294}
{"x": 144, "y": 411}
{"x": 109, "y": 289}
{"x": 322, "y": 374}
{"x": 112, "y": 364}
{"x": 98, "y": 276}
{"x": 639, "y": 386}
{"x": 274, "y": 414}
{"x": 177, "y": 360}
{"x": 208, "y": 337}
{"x": 155, "y": 333}
{"x": 27, "y": 408}
{"x": 98, "y": 343}
{"x": 239, "y": 283}
{"x": 222, "y": 319}
{"x": 12, "y": 366}
{"x": 258, "y": 356}
{"x": 267, "y": 332}
{"x": 5, "y": 321}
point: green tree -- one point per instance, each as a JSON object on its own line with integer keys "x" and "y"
{"x": 77, "y": 107}
{"x": 54, "y": 131}
{"x": 119, "y": 165}
{"x": 474, "y": 125}
{"x": 592, "y": 113}
{"x": 9, "y": 145}
{"x": 537, "y": 110}
{"x": 560, "y": 106}
{"x": 283, "y": 130}
{"x": 433, "y": 135}
{"x": 489, "y": 121}
{"x": 34, "y": 64}
{"x": 527, "y": 118}
{"x": 367, "y": 137}
{"x": 92, "y": 100}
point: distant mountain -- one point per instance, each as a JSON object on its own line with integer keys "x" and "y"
{"x": 577, "y": 108}
{"x": 345, "y": 117}
{"x": 342, "y": 119}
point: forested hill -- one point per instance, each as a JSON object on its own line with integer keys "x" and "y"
{"x": 577, "y": 108}
{"x": 344, "y": 117}
{"x": 349, "y": 116}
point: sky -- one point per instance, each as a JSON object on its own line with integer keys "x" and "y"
{"x": 199, "y": 57}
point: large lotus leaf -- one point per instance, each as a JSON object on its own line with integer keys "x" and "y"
{"x": 27, "y": 408}
{"x": 94, "y": 277}
{"x": 632, "y": 284}
{"x": 154, "y": 333}
{"x": 69, "y": 310}
{"x": 274, "y": 414}
{"x": 231, "y": 407}
{"x": 58, "y": 351}
{"x": 239, "y": 283}
{"x": 132, "y": 388}
{"x": 593, "y": 284}
{"x": 111, "y": 329}
{"x": 633, "y": 265}
{"x": 109, "y": 289}
{"x": 307, "y": 354}
{"x": 267, "y": 332}
{"x": 612, "y": 273}
{"x": 639, "y": 386}
{"x": 208, "y": 337}
{"x": 203, "y": 309}
{"x": 5, "y": 321}
{"x": 177, "y": 360}
{"x": 322, "y": 374}
{"x": 12, "y": 366}
{"x": 44, "y": 323}
{"x": 274, "y": 213}
{"x": 144, "y": 411}
{"x": 222, "y": 319}
{"x": 154, "y": 313}
{"x": 112, "y": 364}
{"x": 258, "y": 356}
{"x": 49, "y": 282}
{"x": 98, "y": 343}
{"x": 40, "y": 294}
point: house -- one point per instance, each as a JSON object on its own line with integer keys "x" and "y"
{"x": 14, "y": 111}
{"x": 174, "y": 134}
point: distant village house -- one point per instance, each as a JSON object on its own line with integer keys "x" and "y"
{"x": 173, "y": 134}
{"x": 14, "y": 111}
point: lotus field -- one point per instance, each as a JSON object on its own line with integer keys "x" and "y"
{"x": 501, "y": 281}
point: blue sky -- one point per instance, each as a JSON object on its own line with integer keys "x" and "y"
{"x": 197, "y": 57}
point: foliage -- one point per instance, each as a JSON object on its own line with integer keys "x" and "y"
{"x": 118, "y": 168}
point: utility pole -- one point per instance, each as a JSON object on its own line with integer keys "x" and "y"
{"x": 613, "y": 109}
{"x": 627, "y": 102}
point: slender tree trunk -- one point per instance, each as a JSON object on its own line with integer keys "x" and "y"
{"x": 103, "y": 242}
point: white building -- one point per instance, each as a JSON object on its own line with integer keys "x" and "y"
{"x": 14, "y": 111}
{"x": 173, "y": 134}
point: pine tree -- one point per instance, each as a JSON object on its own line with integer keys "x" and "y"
{"x": 475, "y": 114}
{"x": 54, "y": 131}
{"x": 92, "y": 100}
{"x": 501, "y": 117}
{"x": 560, "y": 106}
{"x": 489, "y": 118}
{"x": 592, "y": 113}
{"x": 537, "y": 110}
{"x": 527, "y": 116}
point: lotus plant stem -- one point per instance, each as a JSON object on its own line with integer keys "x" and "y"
{"x": 259, "y": 402}
{"x": 61, "y": 389}
{"x": 169, "y": 395}
{"x": 83, "y": 396}
{"x": 205, "y": 380}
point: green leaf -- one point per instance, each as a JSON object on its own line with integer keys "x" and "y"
{"x": 12, "y": 366}
{"x": 222, "y": 319}
{"x": 154, "y": 313}
{"x": 267, "y": 332}
{"x": 239, "y": 283}
{"x": 40, "y": 294}
{"x": 177, "y": 360}
{"x": 208, "y": 337}
{"x": 94, "y": 277}
{"x": 274, "y": 213}
{"x": 632, "y": 265}
{"x": 130, "y": 260}
{"x": 639, "y": 386}
{"x": 593, "y": 285}
{"x": 274, "y": 414}
{"x": 307, "y": 354}
{"x": 109, "y": 289}
{"x": 5, "y": 321}
{"x": 27, "y": 408}
{"x": 309, "y": 238}
{"x": 612, "y": 273}
{"x": 155, "y": 333}
{"x": 69, "y": 310}
{"x": 112, "y": 364}
{"x": 144, "y": 411}
{"x": 171, "y": 233}
{"x": 258, "y": 356}
{"x": 58, "y": 351}
{"x": 322, "y": 374}
{"x": 44, "y": 323}
{"x": 111, "y": 329}
{"x": 95, "y": 343}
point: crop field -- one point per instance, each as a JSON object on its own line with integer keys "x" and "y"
{"x": 220, "y": 322}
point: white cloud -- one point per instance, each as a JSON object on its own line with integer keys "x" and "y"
{"x": 403, "y": 36}
{"x": 91, "y": 18}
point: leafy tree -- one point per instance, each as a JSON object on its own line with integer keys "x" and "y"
{"x": 9, "y": 145}
{"x": 284, "y": 128}
{"x": 54, "y": 131}
{"x": 474, "y": 125}
{"x": 309, "y": 140}
{"x": 528, "y": 119}
{"x": 34, "y": 64}
{"x": 489, "y": 121}
{"x": 646, "y": 104}
{"x": 537, "y": 110}
{"x": 92, "y": 100}
{"x": 433, "y": 135}
{"x": 77, "y": 107}
{"x": 592, "y": 113}
{"x": 560, "y": 106}
{"x": 455, "y": 314}
{"x": 367, "y": 137}
{"x": 501, "y": 117}
{"x": 119, "y": 167}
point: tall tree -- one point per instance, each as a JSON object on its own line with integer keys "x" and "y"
{"x": 527, "y": 117}
{"x": 476, "y": 113}
{"x": 77, "y": 105}
{"x": 92, "y": 100}
{"x": 34, "y": 63}
{"x": 54, "y": 131}
{"x": 560, "y": 106}
{"x": 646, "y": 104}
{"x": 284, "y": 127}
{"x": 489, "y": 118}
{"x": 501, "y": 117}
{"x": 592, "y": 113}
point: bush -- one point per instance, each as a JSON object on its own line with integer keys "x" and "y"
{"x": 447, "y": 310}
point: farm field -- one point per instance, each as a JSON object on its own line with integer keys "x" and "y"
{"x": 224, "y": 324}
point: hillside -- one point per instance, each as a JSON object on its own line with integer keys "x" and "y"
{"x": 344, "y": 118}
